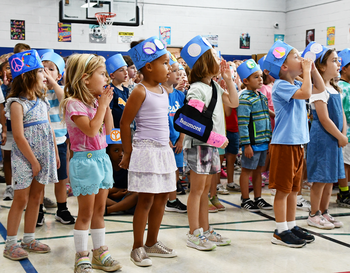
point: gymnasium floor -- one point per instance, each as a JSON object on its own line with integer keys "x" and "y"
{"x": 250, "y": 250}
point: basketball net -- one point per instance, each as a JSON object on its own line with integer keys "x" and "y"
{"x": 105, "y": 19}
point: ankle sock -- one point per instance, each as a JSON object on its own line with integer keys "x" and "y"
{"x": 343, "y": 190}
{"x": 98, "y": 237}
{"x": 81, "y": 240}
{"x": 172, "y": 201}
{"x": 291, "y": 224}
{"x": 282, "y": 226}
{"x": 28, "y": 237}
{"x": 62, "y": 206}
{"x": 11, "y": 240}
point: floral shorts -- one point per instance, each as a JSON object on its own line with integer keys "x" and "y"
{"x": 202, "y": 159}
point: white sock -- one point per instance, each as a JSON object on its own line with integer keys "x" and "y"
{"x": 299, "y": 197}
{"x": 291, "y": 224}
{"x": 11, "y": 240}
{"x": 81, "y": 240}
{"x": 282, "y": 226}
{"x": 28, "y": 237}
{"x": 98, "y": 237}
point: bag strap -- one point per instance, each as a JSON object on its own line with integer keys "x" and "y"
{"x": 209, "y": 112}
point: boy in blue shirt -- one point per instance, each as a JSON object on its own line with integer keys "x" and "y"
{"x": 255, "y": 133}
{"x": 290, "y": 134}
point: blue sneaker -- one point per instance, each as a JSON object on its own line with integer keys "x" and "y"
{"x": 303, "y": 234}
{"x": 287, "y": 238}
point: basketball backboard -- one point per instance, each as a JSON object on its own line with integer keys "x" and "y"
{"x": 83, "y": 11}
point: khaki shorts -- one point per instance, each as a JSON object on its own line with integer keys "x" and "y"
{"x": 286, "y": 167}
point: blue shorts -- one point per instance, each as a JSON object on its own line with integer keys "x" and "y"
{"x": 221, "y": 151}
{"x": 90, "y": 171}
{"x": 233, "y": 144}
{"x": 62, "y": 153}
{"x": 258, "y": 159}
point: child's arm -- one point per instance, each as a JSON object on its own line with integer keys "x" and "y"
{"x": 132, "y": 106}
{"x": 344, "y": 124}
{"x": 18, "y": 136}
{"x": 109, "y": 123}
{"x": 305, "y": 90}
{"x": 58, "y": 162}
{"x": 92, "y": 127}
{"x": 272, "y": 113}
{"x": 227, "y": 110}
{"x": 3, "y": 123}
{"x": 318, "y": 81}
{"x": 179, "y": 143}
{"x": 230, "y": 98}
{"x": 52, "y": 82}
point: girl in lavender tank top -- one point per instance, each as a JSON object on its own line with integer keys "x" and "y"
{"x": 149, "y": 158}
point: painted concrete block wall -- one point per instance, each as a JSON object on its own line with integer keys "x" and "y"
{"x": 187, "y": 18}
{"x": 317, "y": 14}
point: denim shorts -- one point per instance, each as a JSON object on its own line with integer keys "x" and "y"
{"x": 258, "y": 159}
{"x": 233, "y": 143}
{"x": 90, "y": 171}
{"x": 202, "y": 159}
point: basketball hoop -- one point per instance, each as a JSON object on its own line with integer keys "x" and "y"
{"x": 105, "y": 19}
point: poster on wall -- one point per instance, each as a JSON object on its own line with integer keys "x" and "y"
{"x": 125, "y": 37}
{"x": 95, "y": 35}
{"x": 165, "y": 35}
{"x": 244, "y": 41}
{"x": 212, "y": 39}
{"x": 330, "y": 35}
{"x": 310, "y": 36}
{"x": 64, "y": 32}
{"x": 278, "y": 37}
{"x": 18, "y": 30}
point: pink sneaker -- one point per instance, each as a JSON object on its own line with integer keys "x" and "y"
{"x": 36, "y": 246}
{"x": 319, "y": 221}
{"x": 331, "y": 219}
{"x": 223, "y": 174}
{"x": 15, "y": 252}
{"x": 265, "y": 176}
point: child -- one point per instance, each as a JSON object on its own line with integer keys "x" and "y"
{"x": 182, "y": 85}
{"x": 176, "y": 101}
{"x": 290, "y": 134}
{"x": 33, "y": 153}
{"x": 117, "y": 70}
{"x": 343, "y": 197}
{"x": 254, "y": 132}
{"x": 20, "y": 47}
{"x": 54, "y": 67}
{"x": 89, "y": 118}
{"x": 149, "y": 159}
{"x": 131, "y": 73}
{"x": 327, "y": 136}
{"x": 202, "y": 158}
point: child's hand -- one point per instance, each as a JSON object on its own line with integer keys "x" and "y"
{"x": 106, "y": 97}
{"x": 4, "y": 138}
{"x": 223, "y": 146}
{"x": 306, "y": 64}
{"x": 342, "y": 141}
{"x": 178, "y": 146}
{"x": 36, "y": 168}
{"x": 50, "y": 81}
{"x": 248, "y": 151}
{"x": 6, "y": 80}
{"x": 223, "y": 85}
{"x": 58, "y": 161}
{"x": 124, "y": 163}
{"x": 225, "y": 71}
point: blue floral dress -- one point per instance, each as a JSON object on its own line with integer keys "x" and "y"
{"x": 37, "y": 131}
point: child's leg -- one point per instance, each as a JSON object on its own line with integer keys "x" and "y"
{"x": 326, "y": 196}
{"x": 257, "y": 180}
{"x": 155, "y": 218}
{"x": 143, "y": 207}
{"x": 244, "y": 182}
{"x": 198, "y": 184}
{"x": 315, "y": 196}
{"x": 230, "y": 166}
{"x": 291, "y": 206}
{"x": 61, "y": 191}
{"x": 8, "y": 194}
{"x": 97, "y": 220}
{"x": 280, "y": 209}
{"x": 203, "y": 207}
{"x": 127, "y": 203}
{"x": 215, "y": 180}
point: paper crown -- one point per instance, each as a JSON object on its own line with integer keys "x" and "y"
{"x": 261, "y": 62}
{"x": 114, "y": 137}
{"x": 344, "y": 55}
{"x": 247, "y": 68}
{"x": 194, "y": 49}
{"x": 115, "y": 62}
{"x": 181, "y": 67}
{"x": 147, "y": 51}
{"x": 24, "y": 62}
{"x": 218, "y": 52}
{"x": 314, "y": 51}
{"x": 41, "y": 52}
{"x": 275, "y": 58}
{"x": 56, "y": 59}
{"x": 172, "y": 59}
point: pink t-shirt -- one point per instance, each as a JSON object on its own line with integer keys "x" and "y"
{"x": 267, "y": 91}
{"x": 79, "y": 141}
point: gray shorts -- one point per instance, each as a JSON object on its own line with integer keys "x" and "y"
{"x": 202, "y": 159}
{"x": 258, "y": 159}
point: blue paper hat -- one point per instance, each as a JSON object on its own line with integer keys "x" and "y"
{"x": 56, "y": 59}
{"x": 172, "y": 59}
{"x": 261, "y": 62}
{"x": 115, "y": 62}
{"x": 218, "y": 52}
{"x": 114, "y": 137}
{"x": 24, "y": 62}
{"x": 314, "y": 51}
{"x": 41, "y": 52}
{"x": 181, "y": 67}
{"x": 275, "y": 58}
{"x": 147, "y": 51}
{"x": 194, "y": 49}
{"x": 344, "y": 55}
{"x": 247, "y": 68}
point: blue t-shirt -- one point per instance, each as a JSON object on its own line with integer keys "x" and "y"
{"x": 118, "y": 103}
{"x": 291, "y": 126}
{"x": 176, "y": 101}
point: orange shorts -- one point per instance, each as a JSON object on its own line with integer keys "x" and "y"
{"x": 286, "y": 167}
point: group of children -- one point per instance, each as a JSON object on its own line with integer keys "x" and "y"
{"x": 152, "y": 153}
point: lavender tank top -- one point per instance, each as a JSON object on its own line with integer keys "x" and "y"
{"x": 152, "y": 118}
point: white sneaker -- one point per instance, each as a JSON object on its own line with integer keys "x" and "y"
{"x": 319, "y": 221}
{"x": 220, "y": 189}
{"x": 8, "y": 194}
{"x": 216, "y": 238}
{"x": 303, "y": 204}
{"x": 233, "y": 187}
{"x": 331, "y": 219}
{"x": 198, "y": 241}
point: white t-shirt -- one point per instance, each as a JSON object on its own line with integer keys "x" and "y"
{"x": 2, "y": 100}
{"x": 323, "y": 96}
